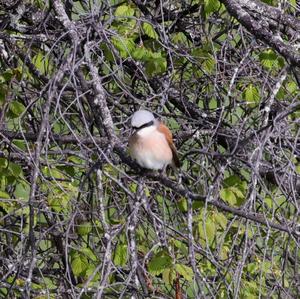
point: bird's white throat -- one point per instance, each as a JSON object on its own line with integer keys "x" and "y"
{"x": 146, "y": 131}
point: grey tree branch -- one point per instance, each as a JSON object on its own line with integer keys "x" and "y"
{"x": 259, "y": 28}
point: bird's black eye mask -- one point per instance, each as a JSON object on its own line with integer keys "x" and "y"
{"x": 148, "y": 124}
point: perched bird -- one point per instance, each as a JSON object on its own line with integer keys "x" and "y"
{"x": 151, "y": 144}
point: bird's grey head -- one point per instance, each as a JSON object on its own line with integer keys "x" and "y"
{"x": 142, "y": 118}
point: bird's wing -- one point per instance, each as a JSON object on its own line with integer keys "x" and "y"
{"x": 165, "y": 130}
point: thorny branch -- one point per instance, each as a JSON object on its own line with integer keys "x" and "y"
{"x": 72, "y": 76}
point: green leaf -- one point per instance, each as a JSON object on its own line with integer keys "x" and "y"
{"x": 149, "y": 30}
{"x": 251, "y": 94}
{"x": 3, "y": 163}
{"x": 89, "y": 254}
{"x": 270, "y": 60}
{"x": 210, "y": 229}
{"x": 79, "y": 264}
{"x": 124, "y": 45}
{"x": 213, "y": 104}
{"x": 207, "y": 230}
{"x": 20, "y": 144}
{"x": 211, "y": 6}
{"x": 266, "y": 267}
{"x": 253, "y": 268}
{"x": 70, "y": 170}
{"x": 15, "y": 169}
{"x": 3, "y": 91}
{"x": 140, "y": 53}
{"x": 228, "y": 196}
{"x": 181, "y": 246}
{"x": 120, "y": 257}
{"x": 49, "y": 284}
{"x": 159, "y": 263}
{"x": 59, "y": 200}
{"x": 292, "y": 87}
{"x": 41, "y": 62}
{"x": 7, "y": 75}
{"x": 156, "y": 64}
{"x": 124, "y": 11}
{"x": 22, "y": 190}
{"x": 182, "y": 205}
{"x": 236, "y": 191}
{"x": 224, "y": 252}
{"x": 84, "y": 228}
{"x": 269, "y": 201}
{"x": 5, "y": 195}
{"x": 169, "y": 276}
{"x": 179, "y": 38}
{"x": 209, "y": 64}
{"x": 16, "y": 108}
{"x": 232, "y": 180}
{"x": 221, "y": 219}
{"x": 185, "y": 271}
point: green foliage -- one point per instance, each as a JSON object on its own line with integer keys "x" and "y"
{"x": 207, "y": 230}
{"x": 42, "y": 63}
{"x": 3, "y": 92}
{"x": 120, "y": 257}
{"x": 270, "y": 60}
{"x": 16, "y": 109}
{"x": 159, "y": 262}
{"x": 78, "y": 10}
{"x": 83, "y": 262}
{"x": 185, "y": 271}
{"x": 234, "y": 190}
{"x": 179, "y": 38}
{"x": 124, "y": 45}
{"x": 124, "y": 11}
{"x": 149, "y": 30}
{"x": 251, "y": 95}
{"x": 228, "y": 195}
{"x": 169, "y": 275}
{"x": 84, "y": 228}
{"x": 156, "y": 64}
{"x": 180, "y": 61}
{"x": 22, "y": 190}
{"x": 220, "y": 219}
{"x": 4, "y": 195}
{"x": 270, "y": 2}
{"x": 205, "y": 57}
{"x": 211, "y": 6}
{"x": 59, "y": 199}
{"x": 9, "y": 172}
{"x": 79, "y": 264}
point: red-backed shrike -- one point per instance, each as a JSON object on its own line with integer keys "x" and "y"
{"x": 151, "y": 145}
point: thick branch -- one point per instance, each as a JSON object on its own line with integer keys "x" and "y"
{"x": 61, "y": 139}
{"x": 165, "y": 181}
{"x": 260, "y": 30}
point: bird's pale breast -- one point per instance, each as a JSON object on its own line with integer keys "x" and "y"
{"x": 151, "y": 150}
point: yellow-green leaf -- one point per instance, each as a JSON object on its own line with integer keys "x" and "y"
{"x": 221, "y": 219}
{"x": 3, "y": 194}
{"x": 169, "y": 276}
{"x": 228, "y": 196}
{"x": 251, "y": 94}
{"x": 120, "y": 257}
{"x": 79, "y": 264}
{"x": 16, "y": 108}
{"x": 124, "y": 11}
{"x": 84, "y": 228}
{"x": 159, "y": 263}
{"x": 149, "y": 30}
{"x": 185, "y": 271}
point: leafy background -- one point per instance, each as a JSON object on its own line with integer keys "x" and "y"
{"x": 79, "y": 219}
